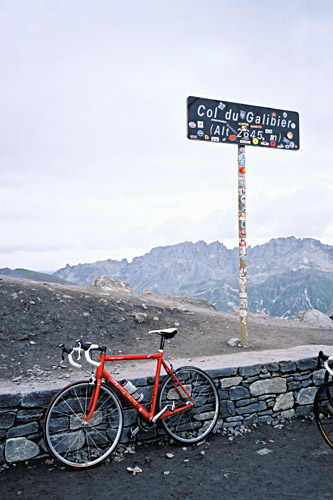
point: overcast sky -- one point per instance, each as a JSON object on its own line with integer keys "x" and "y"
{"x": 95, "y": 162}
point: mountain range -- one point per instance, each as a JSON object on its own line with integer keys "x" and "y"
{"x": 285, "y": 275}
{"x": 32, "y": 275}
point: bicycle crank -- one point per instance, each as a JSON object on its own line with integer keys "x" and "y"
{"x": 144, "y": 425}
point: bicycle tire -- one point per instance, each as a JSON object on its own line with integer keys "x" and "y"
{"x": 323, "y": 411}
{"x": 74, "y": 444}
{"x": 195, "y": 423}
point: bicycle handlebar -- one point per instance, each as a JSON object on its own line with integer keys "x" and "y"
{"x": 323, "y": 357}
{"x": 86, "y": 347}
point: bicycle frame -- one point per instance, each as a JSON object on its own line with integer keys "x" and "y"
{"x": 101, "y": 374}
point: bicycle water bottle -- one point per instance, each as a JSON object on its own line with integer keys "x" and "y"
{"x": 130, "y": 387}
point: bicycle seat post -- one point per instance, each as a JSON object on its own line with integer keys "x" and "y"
{"x": 162, "y": 343}
{"x": 168, "y": 333}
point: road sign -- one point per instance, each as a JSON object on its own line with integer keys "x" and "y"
{"x": 233, "y": 123}
{"x": 210, "y": 120}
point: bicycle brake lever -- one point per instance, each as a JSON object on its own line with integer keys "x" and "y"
{"x": 321, "y": 357}
{"x": 64, "y": 350}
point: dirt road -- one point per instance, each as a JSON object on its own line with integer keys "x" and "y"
{"x": 289, "y": 463}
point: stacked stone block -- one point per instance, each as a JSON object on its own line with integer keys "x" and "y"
{"x": 249, "y": 395}
{"x": 267, "y": 393}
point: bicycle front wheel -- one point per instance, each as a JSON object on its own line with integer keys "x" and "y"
{"x": 323, "y": 410}
{"x": 68, "y": 438}
{"x": 195, "y": 423}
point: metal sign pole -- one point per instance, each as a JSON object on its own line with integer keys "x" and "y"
{"x": 225, "y": 122}
{"x": 242, "y": 246}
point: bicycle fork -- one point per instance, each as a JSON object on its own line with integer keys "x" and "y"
{"x": 92, "y": 404}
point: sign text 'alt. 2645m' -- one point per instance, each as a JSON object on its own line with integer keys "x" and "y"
{"x": 234, "y": 123}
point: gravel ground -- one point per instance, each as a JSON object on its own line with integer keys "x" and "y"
{"x": 289, "y": 462}
{"x": 36, "y": 317}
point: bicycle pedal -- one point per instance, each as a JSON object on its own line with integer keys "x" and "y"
{"x": 133, "y": 432}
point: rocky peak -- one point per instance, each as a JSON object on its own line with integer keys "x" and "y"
{"x": 315, "y": 318}
{"x": 106, "y": 283}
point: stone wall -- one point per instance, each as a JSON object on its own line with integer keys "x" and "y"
{"x": 264, "y": 393}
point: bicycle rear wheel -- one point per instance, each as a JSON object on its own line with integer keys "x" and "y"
{"x": 323, "y": 410}
{"x": 195, "y": 423}
{"x": 69, "y": 440}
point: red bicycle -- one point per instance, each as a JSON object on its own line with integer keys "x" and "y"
{"x": 85, "y": 420}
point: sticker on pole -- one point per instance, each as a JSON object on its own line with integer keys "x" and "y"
{"x": 233, "y": 123}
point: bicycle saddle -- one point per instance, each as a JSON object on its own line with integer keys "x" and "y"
{"x": 168, "y": 333}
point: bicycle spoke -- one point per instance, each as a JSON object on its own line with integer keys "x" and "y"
{"x": 106, "y": 400}
{"x": 79, "y": 400}
{"x": 71, "y": 409}
{"x": 58, "y": 443}
{"x": 73, "y": 442}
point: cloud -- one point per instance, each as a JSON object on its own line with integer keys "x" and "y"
{"x": 304, "y": 211}
{"x": 94, "y": 157}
